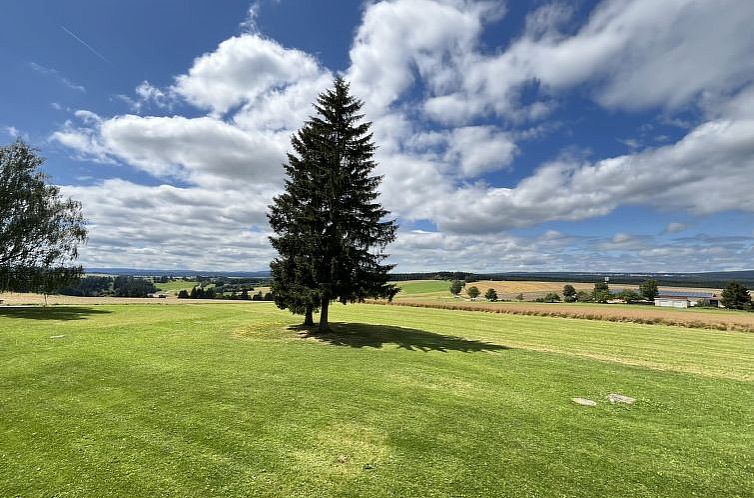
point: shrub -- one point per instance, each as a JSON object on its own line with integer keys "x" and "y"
{"x": 552, "y": 297}
{"x": 490, "y": 295}
{"x": 630, "y": 296}
{"x": 473, "y": 292}
{"x": 584, "y": 297}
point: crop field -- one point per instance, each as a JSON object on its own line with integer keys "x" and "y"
{"x": 708, "y": 318}
{"x": 439, "y": 289}
{"x": 232, "y": 399}
{"x": 175, "y": 286}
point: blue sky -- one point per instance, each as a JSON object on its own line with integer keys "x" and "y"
{"x": 513, "y": 136}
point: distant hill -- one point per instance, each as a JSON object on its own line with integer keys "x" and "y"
{"x": 707, "y": 279}
{"x": 141, "y": 272}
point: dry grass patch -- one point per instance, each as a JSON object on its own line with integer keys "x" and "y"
{"x": 705, "y": 319}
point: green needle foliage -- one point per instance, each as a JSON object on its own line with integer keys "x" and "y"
{"x": 736, "y": 296}
{"x": 330, "y": 229}
{"x": 40, "y": 231}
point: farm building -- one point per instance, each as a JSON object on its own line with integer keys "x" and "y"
{"x": 674, "y": 299}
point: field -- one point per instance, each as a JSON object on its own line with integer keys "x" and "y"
{"x": 439, "y": 289}
{"x": 227, "y": 399}
{"x": 175, "y": 286}
{"x": 435, "y": 294}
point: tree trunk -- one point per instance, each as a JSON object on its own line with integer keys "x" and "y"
{"x": 308, "y": 319}
{"x": 324, "y": 326}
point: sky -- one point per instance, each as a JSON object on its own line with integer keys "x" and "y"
{"x": 615, "y": 135}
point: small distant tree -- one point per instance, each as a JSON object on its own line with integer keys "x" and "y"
{"x": 183, "y": 294}
{"x": 649, "y": 289}
{"x": 245, "y": 295}
{"x": 490, "y": 295}
{"x": 552, "y": 297}
{"x": 736, "y": 296}
{"x": 520, "y": 297}
{"x": 601, "y": 293}
{"x": 569, "y": 293}
{"x": 456, "y": 286}
{"x": 473, "y": 292}
{"x": 630, "y": 296}
{"x": 584, "y": 297}
{"x": 127, "y": 286}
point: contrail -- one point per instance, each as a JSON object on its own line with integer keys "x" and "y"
{"x": 91, "y": 49}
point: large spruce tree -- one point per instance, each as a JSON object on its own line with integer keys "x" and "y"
{"x": 330, "y": 229}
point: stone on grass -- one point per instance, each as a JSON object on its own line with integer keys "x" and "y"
{"x": 584, "y": 402}
{"x": 57, "y": 336}
{"x": 620, "y": 398}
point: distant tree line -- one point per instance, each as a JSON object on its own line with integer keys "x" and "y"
{"x": 99, "y": 286}
{"x": 198, "y": 292}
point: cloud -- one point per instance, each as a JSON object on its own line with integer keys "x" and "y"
{"x": 204, "y": 151}
{"x": 399, "y": 39}
{"x": 55, "y": 74}
{"x": 554, "y": 251}
{"x": 447, "y": 111}
{"x": 480, "y": 149}
{"x": 11, "y": 131}
{"x": 708, "y": 171}
{"x": 243, "y": 69}
{"x": 146, "y": 96}
{"x": 167, "y": 226}
{"x": 675, "y": 227}
{"x": 633, "y": 54}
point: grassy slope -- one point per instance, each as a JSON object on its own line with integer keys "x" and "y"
{"x": 215, "y": 399}
{"x": 413, "y": 287}
{"x": 174, "y": 286}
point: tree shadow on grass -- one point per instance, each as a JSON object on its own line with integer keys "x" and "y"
{"x": 362, "y": 335}
{"x": 65, "y": 313}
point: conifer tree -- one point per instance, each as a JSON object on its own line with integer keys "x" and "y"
{"x": 330, "y": 229}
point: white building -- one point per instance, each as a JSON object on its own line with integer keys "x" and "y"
{"x": 670, "y": 299}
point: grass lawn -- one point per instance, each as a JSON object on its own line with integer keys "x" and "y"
{"x": 228, "y": 400}
{"x": 414, "y": 287}
{"x": 175, "y": 286}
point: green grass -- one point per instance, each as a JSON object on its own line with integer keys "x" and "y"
{"x": 176, "y": 285}
{"x": 416, "y": 287}
{"x": 228, "y": 400}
